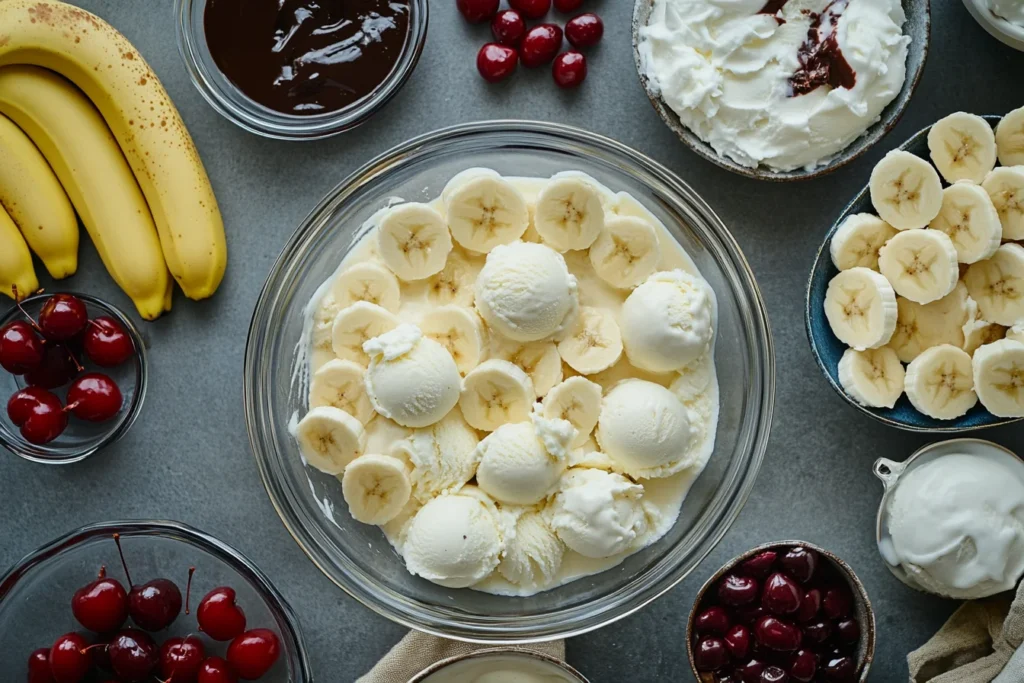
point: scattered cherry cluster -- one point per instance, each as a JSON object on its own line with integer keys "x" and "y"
{"x": 47, "y": 353}
{"x": 537, "y": 45}
{"x": 782, "y": 616}
{"x": 130, "y": 655}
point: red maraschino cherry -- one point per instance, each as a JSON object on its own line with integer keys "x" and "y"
{"x": 219, "y": 616}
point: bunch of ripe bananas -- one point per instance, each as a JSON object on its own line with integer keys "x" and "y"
{"x": 86, "y": 127}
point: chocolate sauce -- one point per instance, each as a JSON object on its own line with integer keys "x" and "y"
{"x": 821, "y": 60}
{"x": 773, "y": 7}
{"x": 306, "y": 57}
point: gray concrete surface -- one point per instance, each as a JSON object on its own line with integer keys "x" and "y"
{"x": 188, "y": 456}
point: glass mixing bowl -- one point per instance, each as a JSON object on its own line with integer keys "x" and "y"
{"x": 358, "y": 557}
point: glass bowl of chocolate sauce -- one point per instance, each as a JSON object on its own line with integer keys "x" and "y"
{"x": 300, "y": 69}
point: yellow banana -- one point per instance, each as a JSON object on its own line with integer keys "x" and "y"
{"x": 36, "y": 202}
{"x": 72, "y": 136}
{"x": 16, "y": 269}
{"x": 99, "y": 60}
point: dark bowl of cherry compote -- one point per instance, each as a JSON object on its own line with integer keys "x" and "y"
{"x": 72, "y": 377}
{"x": 145, "y": 601}
{"x": 784, "y": 612}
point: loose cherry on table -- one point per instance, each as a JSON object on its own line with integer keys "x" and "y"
{"x": 216, "y": 670}
{"x": 583, "y": 31}
{"x": 540, "y": 44}
{"x": 569, "y": 69}
{"x": 133, "y": 655}
{"x": 180, "y": 659}
{"x": 94, "y": 397}
{"x": 101, "y": 606}
{"x": 531, "y": 9}
{"x": 21, "y": 349}
{"x": 253, "y": 653}
{"x": 496, "y": 62}
{"x": 106, "y": 343}
{"x": 70, "y": 658}
{"x": 508, "y": 28}
{"x": 219, "y": 616}
{"x": 477, "y": 11}
{"x": 63, "y": 317}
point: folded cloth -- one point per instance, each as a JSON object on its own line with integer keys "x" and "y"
{"x": 416, "y": 651}
{"x": 979, "y": 644}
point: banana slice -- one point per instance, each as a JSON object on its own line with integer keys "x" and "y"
{"x": 1005, "y": 185}
{"x": 461, "y": 177}
{"x": 999, "y": 377}
{"x": 539, "y": 360}
{"x": 456, "y": 281}
{"x": 339, "y": 383}
{"x": 459, "y": 330}
{"x": 577, "y": 400}
{"x": 921, "y": 265}
{"x": 356, "y": 324}
{"x": 413, "y": 240}
{"x": 626, "y": 252}
{"x": 962, "y": 147}
{"x": 922, "y": 326}
{"x": 369, "y": 282}
{"x": 940, "y": 382}
{"x": 694, "y": 379}
{"x": 1016, "y": 333}
{"x": 998, "y": 285}
{"x": 861, "y": 308}
{"x": 905, "y": 190}
{"x": 978, "y": 332}
{"x": 569, "y": 213}
{"x": 595, "y": 342}
{"x": 494, "y": 393}
{"x": 873, "y": 377}
{"x": 376, "y": 488}
{"x": 485, "y": 211}
{"x": 970, "y": 219}
{"x": 857, "y": 241}
{"x": 1010, "y": 138}
{"x": 330, "y": 438}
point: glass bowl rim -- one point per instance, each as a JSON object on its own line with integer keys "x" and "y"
{"x": 260, "y": 120}
{"x": 180, "y": 532}
{"x": 36, "y": 454}
{"x": 658, "y": 579}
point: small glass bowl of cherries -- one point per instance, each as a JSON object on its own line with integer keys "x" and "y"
{"x": 787, "y": 612}
{"x": 145, "y": 602}
{"x": 72, "y": 375}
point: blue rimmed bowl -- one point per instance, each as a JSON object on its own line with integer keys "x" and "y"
{"x": 827, "y": 349}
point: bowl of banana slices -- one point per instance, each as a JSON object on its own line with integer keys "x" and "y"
{"x": 445, "y": 341}
{"x": 915, "y": 303}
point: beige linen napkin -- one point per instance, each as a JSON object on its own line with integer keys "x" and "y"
{"x": 416, "y": 651}
{"x": 976, "y": 645}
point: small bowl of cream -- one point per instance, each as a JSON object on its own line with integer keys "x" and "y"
{"x": 951, "y": 521}
{"x": 500, "y": 665}
{"x": 1003, "y": 19}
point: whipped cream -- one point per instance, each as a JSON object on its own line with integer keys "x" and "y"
{"x": 747, "y": 78}
{"x": 957, "y": 525}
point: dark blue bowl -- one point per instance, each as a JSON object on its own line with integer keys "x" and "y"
{"x": 827, "y": 349}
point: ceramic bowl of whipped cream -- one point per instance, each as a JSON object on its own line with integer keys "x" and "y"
{"x": 1003, "y": 19}
{"x": 500, "y": 665}
{"x": 951, "y": 521}
{"x": 780, "y": 89}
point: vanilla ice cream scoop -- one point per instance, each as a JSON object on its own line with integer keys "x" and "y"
{"x": 645, "y": 429}
{"x": 454, "y": 540}
{"x": 956, "y": 525}
{"x": 667, "y": 322}
{"x": 533, "y": 552}
{"x": 520, "y": 464}
{"x": 442, "y": 456}
{"x": 598, "y": 513}
{"x": 412, "y": 380}
{"x": 525, "y": 292}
